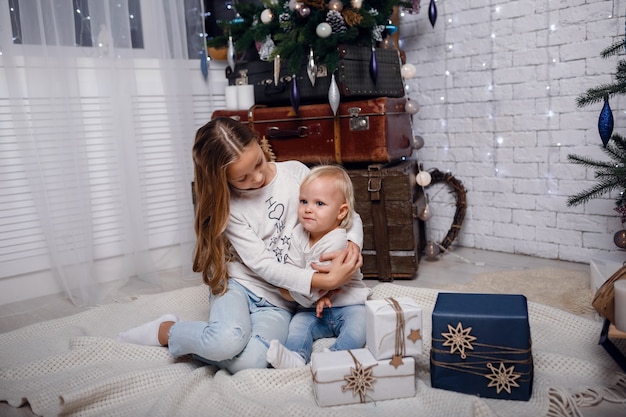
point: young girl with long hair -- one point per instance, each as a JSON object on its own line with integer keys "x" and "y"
{"x": 246, "y": 209}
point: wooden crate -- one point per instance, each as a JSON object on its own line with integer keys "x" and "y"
{"x": 394, "y": 237}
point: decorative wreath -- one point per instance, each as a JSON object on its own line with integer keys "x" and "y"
{"x": 461, "y": 203}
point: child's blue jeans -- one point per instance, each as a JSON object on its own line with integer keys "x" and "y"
{"x": 237, "y": 334}
{"x": 347, "y": 324}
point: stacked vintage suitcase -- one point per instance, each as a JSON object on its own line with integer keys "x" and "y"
{"x": 368, "y": 131}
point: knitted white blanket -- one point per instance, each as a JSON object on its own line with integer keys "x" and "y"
{"x": 73, "y": 366}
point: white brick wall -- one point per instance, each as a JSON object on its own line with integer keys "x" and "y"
{"x": 497, "y": 83}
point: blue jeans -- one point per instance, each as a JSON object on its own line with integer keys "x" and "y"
{"x": 237, "y": 334}
{"x": 347, "y": 324}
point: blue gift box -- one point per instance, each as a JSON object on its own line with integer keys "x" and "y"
{"x": 481, "y": 345}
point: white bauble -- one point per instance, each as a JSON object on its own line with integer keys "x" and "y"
{"x": 411, "y": 107}
{"x": 335, "y": 5}
{"x": 423, "y": 179}
{"x": 323, "y": 30}
{"x": 408, "y": 71}
{"x": 267, "y": 16}
{"x": 356, "y": 3}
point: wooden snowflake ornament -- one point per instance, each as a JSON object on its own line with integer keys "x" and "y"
{"x": 458, "y": 339}
{"x": 359, "y": 380}
{"x": 502, "y": 378}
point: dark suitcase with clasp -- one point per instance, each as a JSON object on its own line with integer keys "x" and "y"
{"x": 387, "y": 198}
{"x": 365, "y": 131}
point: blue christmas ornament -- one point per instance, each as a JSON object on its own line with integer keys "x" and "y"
{"x": 204, "y": 67}
{"x": 374, "y": 66}
{"x": 391, "y": 28}
{"x": 605, "y": 122}
{"x": 295, "y": 94}
{"x": 432, "y": 12}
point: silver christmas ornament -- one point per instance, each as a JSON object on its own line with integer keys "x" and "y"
{"x": 231, "y": 53}
{"x": 619, "y": 239}
{"x": 426, "y": 214}
{"x": 276, "y": 69}
{"x": 418, "y": 142}
{"x": 333, "y": 95}
{"x": 411, "y": 107}
{"x": 311, "y": 68}
{"x": 431, "y": 250}
{"x": 304, "y": 11}
{"x": 266, "y": 49}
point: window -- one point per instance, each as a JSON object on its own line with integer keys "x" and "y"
{"x": 87, "y": 31}
{"x": 120, "y": 118}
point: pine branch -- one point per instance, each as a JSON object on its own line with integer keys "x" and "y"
{"x": 588, "y": 162}
{"x": 614, "y": 49}
{"x": 596, "y": 191}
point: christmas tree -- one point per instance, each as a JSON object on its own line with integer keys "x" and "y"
{"x": 293, "y": 29}
{"x": 610, "y": 175}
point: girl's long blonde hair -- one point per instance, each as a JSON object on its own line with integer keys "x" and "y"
{"x": 218, "y": 143}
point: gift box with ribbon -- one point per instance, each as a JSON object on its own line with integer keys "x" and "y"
{"x": 393, "y": 327}
{"x": 354, "y": 376}
{"x": 481, "y": 345}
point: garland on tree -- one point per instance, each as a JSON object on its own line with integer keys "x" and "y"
{"x": 290, "y": 28}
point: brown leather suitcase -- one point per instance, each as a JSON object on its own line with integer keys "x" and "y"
{"x": 387, "y": 199}
{"x": 365, "y": 131}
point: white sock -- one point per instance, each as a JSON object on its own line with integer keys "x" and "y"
{"x": 282, "y": 358}
{"x": 146, "y": 334}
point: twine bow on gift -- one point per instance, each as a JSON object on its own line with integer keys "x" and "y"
{"x": 360, "y": 379}
{"x": 399, "y": 334}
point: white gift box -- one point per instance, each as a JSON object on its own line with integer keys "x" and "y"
{"x": 354, "y": 376}
{"x": 602, "y": 268}
{"x": 394, "y": 327}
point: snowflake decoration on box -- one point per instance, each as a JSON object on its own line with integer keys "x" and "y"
{"x": 459, "y": 339}
{"x": 359, "y": 380}
{"x": 502, "y": 378}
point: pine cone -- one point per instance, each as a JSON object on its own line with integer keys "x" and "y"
{"x": 336, "y": 22}
{"x": 284, "y": 20}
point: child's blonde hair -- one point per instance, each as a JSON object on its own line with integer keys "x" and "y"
{"x": 342, "y": 181}
{"x": 218, "y": 144}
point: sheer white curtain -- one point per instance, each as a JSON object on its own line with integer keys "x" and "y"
{"x": 96, "y": 127}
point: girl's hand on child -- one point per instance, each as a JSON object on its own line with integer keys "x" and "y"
{"x": 343, "y": 264}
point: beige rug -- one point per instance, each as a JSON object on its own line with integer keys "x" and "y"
{"x": 565, "y": 289}
{"x": 73, "y": 366}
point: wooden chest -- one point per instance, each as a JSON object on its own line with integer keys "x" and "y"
{"x": 365, "y": 131}
{"x": 394, "y": 237}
